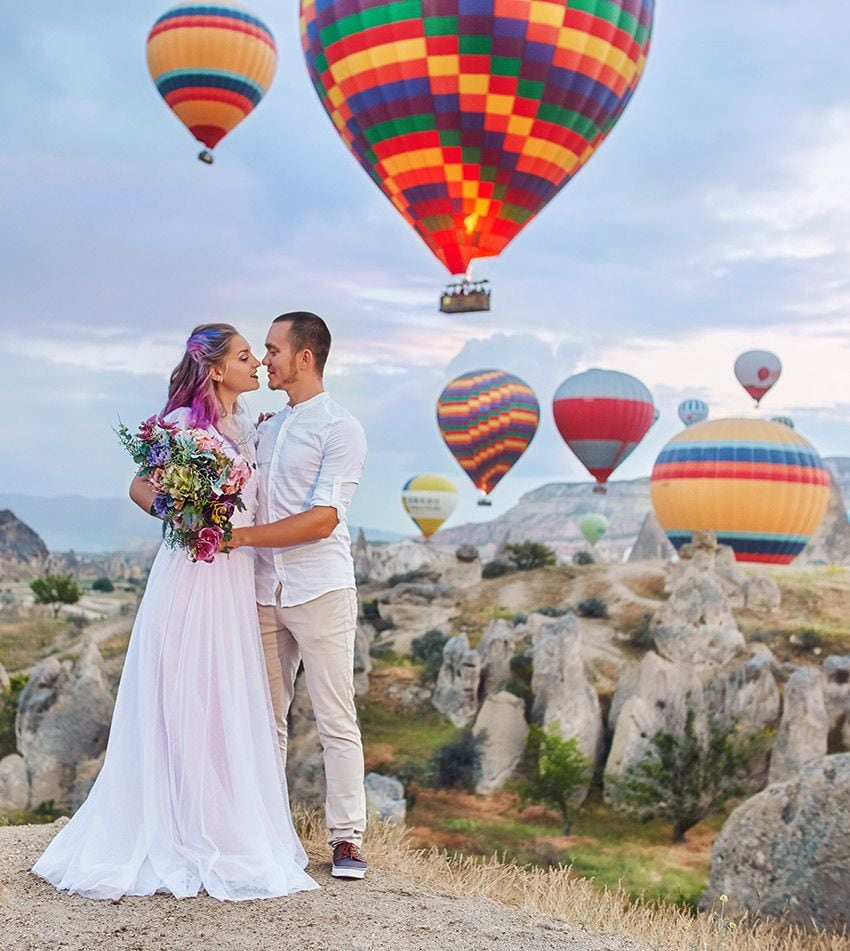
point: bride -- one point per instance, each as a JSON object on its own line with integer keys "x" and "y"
{"x": 191, "y": 795}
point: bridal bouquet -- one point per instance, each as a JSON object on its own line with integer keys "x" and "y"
{"x": 197, "y": 484}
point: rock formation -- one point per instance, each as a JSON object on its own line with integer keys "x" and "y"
{"x": 414, "y": 608}
{"x": 62, "y": 723}
{"x": 456, "y": 694}
{"x": 784, "y": 851}
{"x": 652, "y": 541}
{"x": 385, "y": 798}
{"x": 22, "y": 552}
{"x": 830, "y": 545}
{"x": 305, "y": 768}
{"x": 501, "y": 730}
{"x": 837, "y": 698}
{"x": 804, "y": 728}
{"x": 563, "y": 696}
{"x": 362, "y": 658}
{"x": 496, "y": 648}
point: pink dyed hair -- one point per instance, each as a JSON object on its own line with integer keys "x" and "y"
{"x": 191, "y": 384}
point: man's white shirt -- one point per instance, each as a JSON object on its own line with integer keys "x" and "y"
{"x": 307, "y": 455}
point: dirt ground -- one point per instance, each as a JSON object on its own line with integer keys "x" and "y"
{"x": 383, "y": 912}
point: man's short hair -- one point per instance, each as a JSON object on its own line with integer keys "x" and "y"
{"x": 308, "y": 332}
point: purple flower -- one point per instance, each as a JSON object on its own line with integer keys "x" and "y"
{"x": 161, "y": 505}
{"x": 159, "y": 454}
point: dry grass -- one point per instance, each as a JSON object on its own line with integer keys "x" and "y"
{"x": 559, "y": 894}
{"x": 25, "y": 642}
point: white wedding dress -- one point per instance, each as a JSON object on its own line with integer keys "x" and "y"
{"x": 191, "y": 795}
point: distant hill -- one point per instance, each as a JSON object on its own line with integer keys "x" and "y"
{"x": 85, "y": 525}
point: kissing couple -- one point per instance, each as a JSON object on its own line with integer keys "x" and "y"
{"x": 192, "y": 794}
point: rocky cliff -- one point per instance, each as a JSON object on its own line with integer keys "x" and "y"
{"x": 22, "y": 552}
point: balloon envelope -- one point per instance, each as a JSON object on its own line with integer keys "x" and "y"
{"x": 757, "y": 371}
{"x": 429, "y": 500}
{"x": 470, "y": 115}
{"x": 487, "y": 419}
{"x": 759, "y": 485}
{"x": 785, "y": 420}
{"x": 593, "y": 526}
{"x": 602, "y": 415}
{"x": 693, "y": 411}
{"x": 212, "y": 63}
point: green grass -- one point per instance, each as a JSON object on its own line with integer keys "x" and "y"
{"x": 23, "y": 643}
{"x": 415, "y": 734}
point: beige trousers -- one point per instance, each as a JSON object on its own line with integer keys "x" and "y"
{"x": 321, "y": 634}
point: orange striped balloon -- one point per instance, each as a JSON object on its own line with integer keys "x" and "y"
{"x": 212, "y": 63}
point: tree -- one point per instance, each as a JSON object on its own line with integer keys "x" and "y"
{"x": 429, "y": 650}
{"x": 556, "y": 770}
{"x": 526, "y": 556}
{"x": 102, "y": 584}
{"x": 683, "y": 776}
{"x": 55, "y": 590}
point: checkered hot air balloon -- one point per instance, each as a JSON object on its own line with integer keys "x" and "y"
{"x": 602, "y": 415}
{"x": 759, "y": 485}
{"x": 470, "y": 115}
{"x": 487, "y": 419}
{"x": 212, "y": 63}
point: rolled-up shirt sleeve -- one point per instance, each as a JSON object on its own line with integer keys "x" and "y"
{"x": 343, "y": 457}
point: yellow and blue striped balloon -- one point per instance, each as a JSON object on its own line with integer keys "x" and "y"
{"x": 759, "y": 485}
{"x": 212, "y": 63}
{"x": 429, "y": 500}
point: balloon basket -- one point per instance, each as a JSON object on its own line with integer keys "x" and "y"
{"x": 465, "y": 297}
{"x": 600, "y": 490}
{"x": 205, "y": 157}
{"x": 484, "y": 502}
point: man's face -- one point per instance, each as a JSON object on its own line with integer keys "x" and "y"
{"x": 280, "y": 359}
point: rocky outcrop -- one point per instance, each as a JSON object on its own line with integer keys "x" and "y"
{"x": 62, "y": 722}
{"x": 414, "y": 608}
{"x": 804, "y": 728}
{"x": 784, "y": 852}
{"x": 305, "y": 768}
{"x": 651, "y": 698}
{"x": 837, "y": 698}
{"x": 5, "y": 682}
{"x": 22, "y": 552}
{"x": 500, "y": 729}
{"x": 496, "y": 648}
{"x": 362, "y": 560}
{"x": 385, "y": 798}
{"x": 652, "y": 542}
{"x": 746, "y": 693}
{"x": 14, "y": 784}
{"x": 563, "y": 696}
{"x": 362, "y": 658}
{"x": 696, "y": 624}
{"x": 456, "y": 694}
{"x": 762, "y": 594}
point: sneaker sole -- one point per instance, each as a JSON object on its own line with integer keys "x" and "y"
{"x": 348, "y": 872}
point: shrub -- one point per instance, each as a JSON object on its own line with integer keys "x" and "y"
{"x": 102, "y": 584}
{"x": 456, "y": 763}
{"x": 810, "y": 639}
{"x": 495, "y": 569}
{"x": 556, "y": 770}
{"x": 429, "y": 650}
{"x": 55, "y": 590}
{"x": 641, "y": 636}
{"x": 8, "y": 712}
{"x": 583, "y": 557}
{"x": 519, "y": 682}
{"x": 418, "y": 575}
{"x": 519, "y": 618}
{"x": 526, "y": 556}
{"x": 592, "y": 607}
{"x": 369, "y": 610}
{"x": 549, "y": 611}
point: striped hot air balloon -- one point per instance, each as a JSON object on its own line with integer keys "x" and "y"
{"x": 429, "y": 500}
{"x": 487, "y": 419}
{"x": 470, "y": 115}
{"x": 212, "y": 63}
{"x": 602, "y": 415}
{"x": 760, "y": 486}
{"x": 693, "y": 411}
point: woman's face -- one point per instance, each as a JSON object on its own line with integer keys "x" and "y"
{"x": 237, "y": 370}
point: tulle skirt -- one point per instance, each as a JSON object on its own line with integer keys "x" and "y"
{"x": 192, "y": 795}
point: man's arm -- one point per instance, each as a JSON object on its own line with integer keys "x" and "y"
{"x": 318, "y": 522}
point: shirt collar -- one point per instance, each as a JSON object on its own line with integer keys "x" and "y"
{"x": 313, "y": 401}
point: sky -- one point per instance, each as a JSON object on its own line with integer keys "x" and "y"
{"x": 714, "y": 219}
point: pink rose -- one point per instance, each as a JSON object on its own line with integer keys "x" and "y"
{"x": 239, "y": 474}
{"x": 208, "y": 544}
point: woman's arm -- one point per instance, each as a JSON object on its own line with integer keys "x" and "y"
{"x": 142, "y": 494}
{"x": 318, "y": 522}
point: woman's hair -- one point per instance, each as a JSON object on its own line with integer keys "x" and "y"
{"x": 191, "y": 383}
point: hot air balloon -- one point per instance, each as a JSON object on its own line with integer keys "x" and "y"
{"x": 487, "y": 419}
{"x": 760, "y": 486}
{"x": 602, "y": 415}
{"x": 429, "y": 500}
{"x": 693, "y": 411}
{"x": 212, "y": 63}
{"x": 785, "y": 420}
{"x": 593, "y": 526}
{"x": 757, "y": 371}
{"x": 470, "y": 115}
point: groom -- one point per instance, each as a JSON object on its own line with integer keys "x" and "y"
{"x": 310, "y": 456}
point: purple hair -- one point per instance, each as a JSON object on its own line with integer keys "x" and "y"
{"x": 191, "y": 384}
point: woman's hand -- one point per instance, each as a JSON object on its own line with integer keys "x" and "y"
{"x": 237, "y": 539}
